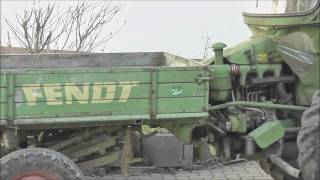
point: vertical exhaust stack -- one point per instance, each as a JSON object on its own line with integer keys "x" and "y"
{"x": 218, "y": 52}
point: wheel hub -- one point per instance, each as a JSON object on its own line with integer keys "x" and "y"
{"x": 36, "y": 175}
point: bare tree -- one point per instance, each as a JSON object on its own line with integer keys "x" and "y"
{"x": 207, "y": 46}
{"x": 9, "y": 39}
{"x": 80, "y": 28}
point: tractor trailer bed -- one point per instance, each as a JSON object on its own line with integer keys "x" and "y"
{"x": 73, "y": 90}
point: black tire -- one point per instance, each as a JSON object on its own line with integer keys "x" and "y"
{"x": 38, "y": 162}
{"x": 308, "y": 141}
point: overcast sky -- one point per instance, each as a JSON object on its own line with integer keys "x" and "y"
{"x": 171, "y": 26}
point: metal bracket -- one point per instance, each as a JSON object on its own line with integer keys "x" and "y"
{"x": 202, "y": 79}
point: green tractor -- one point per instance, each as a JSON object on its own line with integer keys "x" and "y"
{"x": 279, "y": 65}
{"x": 62, "y": 114}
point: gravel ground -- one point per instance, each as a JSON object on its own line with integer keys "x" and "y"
{"x": 240, "y": 171}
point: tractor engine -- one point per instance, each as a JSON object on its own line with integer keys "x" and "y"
{"x": 239, "y": 95}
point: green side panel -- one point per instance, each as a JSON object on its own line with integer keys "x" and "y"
{"x": 80, "y": 78}
{"x": 139, "y": 91}
{"x": 268, "y": 133}
{"x": 180, "y": 105}
{"x": 3, "y": 94}
{"x": 44, "y": 96}
{"x": 3, "y": 110}
{"x": 42, "y": 109}
{"x": 180, "y": 76}
{"x": 181, "y": 90}
{"x": 3, "y": 80}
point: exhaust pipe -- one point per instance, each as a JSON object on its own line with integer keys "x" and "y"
{"x": 292, "y": 171}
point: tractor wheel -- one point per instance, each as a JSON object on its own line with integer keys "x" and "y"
{"x": 38, "y": 164}
{"x": 308, "y": 141}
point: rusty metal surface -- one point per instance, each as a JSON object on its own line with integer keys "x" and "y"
{"x": 91, "y": 60}
{"x": 81, "y": 60}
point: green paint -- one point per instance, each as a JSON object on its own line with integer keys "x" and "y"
{"x": 220, "y": 86}
{"x": 63, "y": 77}
{"x": 180, "y": 76}
{"x": 153, "y": 94}
{"x": 178, "y": 98}
{"x": 218, "y": 45}
{"x": 301, "y": 19}
{"x": 10, "y": 96}
{"x": 267, "y": 105}
{"x": 3, "y": 79}
{"x": 3, "y": 95}
{"x": 182, "y": 132}
{"x": 70, "y": 93}
{"x": 174, "y": 105}
{"x": 3, "y": 110}
{"x": 243, "y": 54}
{"x": 300, "y": 33}
{"x": 176, "y": 91}
{"x": 218, "y": 52}
{"x": 238, "y": 123}
{"x": 268, "y": 133}
{"x": 259, "y": 70}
